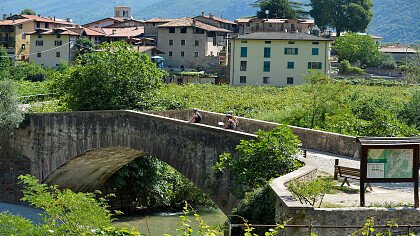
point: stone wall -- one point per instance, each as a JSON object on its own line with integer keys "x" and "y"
{"x": 311, "y": 139}
{"x": 294, "y": 213}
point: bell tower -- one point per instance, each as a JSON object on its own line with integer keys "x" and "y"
{"x": 122, "y": 12}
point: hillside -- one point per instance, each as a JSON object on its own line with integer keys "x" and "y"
{"x": 396, "y": 21}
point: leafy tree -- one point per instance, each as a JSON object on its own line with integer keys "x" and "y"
{"x": 411, "y": 68}
{"x": 114, "y": 77}
{"x": 411, "y": 110}
{"x": 279, "y": 9}
{"x": 342, "y": 15}
{"x": 5, "y": 63}
{"x": 28, "y": 71}
{"x": 357, "y": 48}
{"x": 270, "y": 155}
{"x": 10, "y": 114}
{"x": 84, "y": 45}
{"x": 28, "y": 11}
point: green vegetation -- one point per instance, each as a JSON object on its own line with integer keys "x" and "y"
{"x": 114, "y": 77}
{"x": 357, "y": 48}
{"x": 10, "y": 115}
{"x": 342, "y": 15}
{"x": 283, "y": 9}
{"x": 411, "y": 69}
{"x": 28, "y": 11}
{"x": 311, "y": 191}
{"x": 347, "y": 69}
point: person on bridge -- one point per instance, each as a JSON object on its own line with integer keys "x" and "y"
{"x": 230, "y": 123}
{"x": 234, "y": 118}
{"x": 196, "y": 117}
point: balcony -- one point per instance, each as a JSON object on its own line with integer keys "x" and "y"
{"x": 7, "y": 40}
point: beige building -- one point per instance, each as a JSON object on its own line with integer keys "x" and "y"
{"x": 50, "y": 46}
{"x": 189, "y": 43}
{"x": 251, "y": 25}
{"x": 150, "y": 26}
{"x": 211, "y": 19}
{"x": 14, "y": 29}
{"x": 278, "y": 59}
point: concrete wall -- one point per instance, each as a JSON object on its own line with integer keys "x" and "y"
{"x": 311, "y": 139}
{"x": 279, "y": 72}
{"x": 90, "y": 146}
{"x": 291, "y": 210}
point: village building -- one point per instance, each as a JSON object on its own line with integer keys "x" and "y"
{"x": 49, "y": 47}
{"x": 150, "y": 26}
{"x": 399, "y": 52}
{"x": 211, "y": 19}
{"x": 189, "y": 43}
{"x": 278, "y": 59}
{"x": 252, "y": 25}
{"x": 14, "y": 29}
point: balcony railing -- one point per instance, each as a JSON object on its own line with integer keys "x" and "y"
{"x": 7, "y": 39}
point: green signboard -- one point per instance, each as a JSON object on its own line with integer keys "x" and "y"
{"x": 390, "y": 163}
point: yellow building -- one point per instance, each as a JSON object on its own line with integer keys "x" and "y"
{"x": 49, "y": 47}
{"x": 14, "y": 29}
{"x": 279, "y": 59}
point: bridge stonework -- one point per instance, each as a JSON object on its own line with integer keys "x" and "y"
{"x": 80, "y": 150}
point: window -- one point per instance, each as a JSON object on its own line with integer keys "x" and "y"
{"x": 244, "y": 41}
{"x": 242, "y": 79}
{"x": 58, "y": 43}
{"x": 314, "y": 65}
{"x": 23, "y": 46}
{"x": 23, "y": 57}
{"x": 59, "y": 37}
{"x": 171, "y": 42}
{"x": 266, "y": 80}
{"x": 172, "y": 30}
{"x": 290, "y": 51}
{"x": 170, "y": 53}
{"x": 244, "y": 51}
{"x": 195, "y": 54}
{"x": 24, "y": 36}
{"x": 315, "y": 51}
{"x": 270, "y": 25}
{"x": 182, "y": 54}
{"x": 248, "y": 25}
{"x": 39, "y": 43}
{"x": 38, "y": 54}
{"x": 289, "y": 80}
{"x": 267, "y": 52}
{"x": 267, "y": 42}
{"x": 315, "y": 42}
{"x": 20, "y": 26}
{"x": 243, "y": 66}
{"x": 291, "y": 42}
{"x": 196, "y": 43}
{"x": 38, "y": 24}
{"x": 290, "y": 65}
{"x": 182, "y": 42}
{"x": 47, "y": 25}
{"x": 183, "y": 30}
{"x": 57, "y": 54}
{"x": 39, "y": 36}
{"x": 266, "y": 66}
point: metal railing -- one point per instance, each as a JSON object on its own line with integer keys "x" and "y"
{"x": 396, "y": 229}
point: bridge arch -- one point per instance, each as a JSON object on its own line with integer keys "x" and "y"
{"x": 93, "y": 145}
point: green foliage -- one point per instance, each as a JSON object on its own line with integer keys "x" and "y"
{"x": 411, "y": 110}
{"x": 16, "y": 225}
{"x": 5, "y": 63}
{"x": 342, "y": 15}
{"x": 10, "y": 115}
{"x": 347, "y": 69}
{"x": 310, "y": 191}
{"x": 28, "y": 11}
{"x": 84, "y": 45}
{"x": 387, "y": 61}
{"x": 411, "y": 69}
{"x": 114, "y": 77}
{"x": 270, "y": 155}
{"x": 157, "y": 185}
{"x": 257, "y": 207}
{"x": 283, "y": 9}
{"x": 357, "y": 48}
{"x": 28, "y": 71}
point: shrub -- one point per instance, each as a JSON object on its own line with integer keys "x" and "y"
{"x": 347, "y": 69}
{"x": 311, "y": 191}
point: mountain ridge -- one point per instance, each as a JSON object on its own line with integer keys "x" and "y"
{"x": 396, "y": 21}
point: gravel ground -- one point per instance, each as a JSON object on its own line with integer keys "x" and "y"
{"x": 27, "y": 212}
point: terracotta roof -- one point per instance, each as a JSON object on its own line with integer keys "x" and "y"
{"x": 93, "y": 32}
{"x": 147, "y": 48}
{"x": 281, "y": 36}
{"x": 28, "y": 18}
{"x": 126, "y": 23}
{"x": 301, "y": 21}
{"x": 123, "y": 32}
{"x": 44, "y": 19}
{"x": 14, "y": 22}
{"x": 120, "y": 19}
{"x": 159, "y": 20}
{"x": 60, "y": 31}
{"x": 397, "y": 49}
{"x": 218, "y": 19}
{"x": 78, "y": 30}
{"x": 189, "y": 22}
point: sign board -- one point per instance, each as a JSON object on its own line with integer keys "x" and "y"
{"x": 389, "y": 160}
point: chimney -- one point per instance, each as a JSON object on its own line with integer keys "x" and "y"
{"x": 4, "y": 16}
{"x": 202, "y": 13}
{"x": 211, "y": 15}
{"x": 113, "y": 31}
{"x": 54, "y": 18}
{"x": 39, "y": 15}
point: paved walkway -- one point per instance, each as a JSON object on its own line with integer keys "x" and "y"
{"x": 383, "y": 194}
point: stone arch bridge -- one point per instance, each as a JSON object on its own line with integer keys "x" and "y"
{"x": 81, "y": 150}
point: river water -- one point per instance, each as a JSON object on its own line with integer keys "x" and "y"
{"x": 167, "y": 223}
